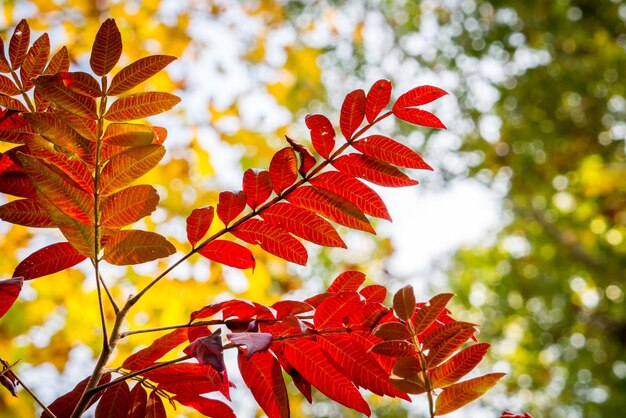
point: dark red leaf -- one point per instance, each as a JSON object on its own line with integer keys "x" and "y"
{"x": 352, "y": 113}
{"x": 242, "y": 308}
{"x": 198, "y": 223}
{"x": 404, "y": 303}
{"x": 377, "y": 98}
{"x": 207, "y": 407}
{"x": 27, "y": 212}
{"x": 155, "y": 407}
{"x": 394, "y": 348}
{"x": 283, "y": 169}
{"x": 407, "y": 367}
{"x": 257, "y": 186}
{"x": 35, "y": 61}
{"x": 159, "y": 347}
{"x": 419, "y": 117}
{"x": 208, "y": 350}
{"x": 229, "y": 253}
{"x": 322, "y": 134}
{"x": 418, "y": 96}
{"x": 444, "y": 349}
{"x": 254, "y": 341}
{"x": 428, "y": 313}
{"x": 115, "y": 402}
{"x": 138, "y": 402}
{"x": 48, "y": 260}
{"x": 372, "y": 170}
{"x": 444, "y": 332}
{"x": 348, "y": 281}
{"x": 390, "y": 151}
{"x": 392, "y": 331}
{"x": 4, "y": 64}
{"x": 263, "y": 376}
{"x": 107, "y": 48}
{"x": 64, "y": 406}
{"x": 307, "y": 160}
{"x": 230, "y": 205}
{"x": 18, "y": 45}
{"x": 9, "y": 291}
{"x": 188, "y": 379}
{"x": 272, "y": 239}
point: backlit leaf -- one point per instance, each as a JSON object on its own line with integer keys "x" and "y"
{"x": 272, "y": 239}
{"x": 283, "y": 169}
{"x": 254, "y": 341}
{"x": 9, "y": 291}
{"x": 128, "y": 134}
{"x": 159, "y": 347}
{"x": 444, "y": 332}
{"x": 372, "y": 170}
{"x": 134, "y": 247}
{"x": 394, "y": 348}
{"x": 17, "y": 184}
{"x": 107, "y": 48}
{"x": 407, "y": 367}
{"x": 230, "y": 205}
{"x": 198, "y": 223}
{"x": 155, "y": 407}
{"x": 390, "y": 151}
{"x": 87, "y": 128}
{"x": 460, "y": 394}
{"x": 126, "y": 167}
{"x": 228, "y": 253}
{"x": 206, "y": 406}
{"x": 138, "y": 402}
{"x": 18, "y": 45}
{"x": 303, "y": 223}
{"x": 347, "y": 281}
{"x": 419, "y": 117}
{"x": 262, "y": 374}
{"x": 352, "y": 113}
{"x": 59, "y": 62}
{"x": 137, "y": 72}
{"x": 404, "y": 303}
{"x": 444, "y": 349}
{"x": 208, "y": 350}
{"x": 115, "y": 402}
{"x": 4, "y": 64}
{"x": 64, "y": 406}
{"x": 429, "y": 312}
{"x": 128, "y": 206}
{"x": 80, "y": 235}
{"x": 377, "y": 98}
{"x": 458, "y": 366}
{"x": 331, "y": 206}
{"x": 140, "y": 105}
{"x": 81, "y": 83}
{"x": 418, "y": 96}
{"x": 322, "y": 134}
{"x": 336, "y": 310}
{"x": 257, "y": 186}
{"x": 8, "y": 87}
{"x": 374, "y": 293}
{"x": 48, "y": 260}
{"x": 290, "y": 307}
{"x": 53, "y": 87}
{"x": 307, "y": 160}
{"x": 392, "y": 331}
{"x": 26, "y": 212}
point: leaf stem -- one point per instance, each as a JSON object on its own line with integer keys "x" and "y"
{"x": 26, "y": 388}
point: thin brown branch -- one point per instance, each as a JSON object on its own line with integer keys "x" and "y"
{"x": 26, "y": 388}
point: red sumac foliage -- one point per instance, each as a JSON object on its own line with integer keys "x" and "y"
{"x": 71, "y": 165}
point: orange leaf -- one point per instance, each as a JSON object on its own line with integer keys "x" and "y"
{"x": 35, "y": 61}
{"x": 53, "y": 87}
{"x": 126, "y": 167}
{"x": 107, "y": 48}
{"x": 352, "y": 113}
{"x": 128, "y": 134}
{"x": 135, "y": 247}
{"x": 137, "y": 72}
{"x": 354, "y": 191}
{"x": 257, "y": 186}
{"x": 419, "y": 117}
{"x": 262, "y": 374}
{"x": 198, "y": 223}
{"x": 4, "y": 64}
{"x": 228, "y": 253}
{"x": 18, "y": 45}
{"x": 458, "y": 395}
{"x": 8, "y": 87}
{"x": 87, "y": 128}
{"x": 331, "y": 206}
{"x": 272, "y": 239}
{"x": 347, "y": 281}
{"x": 27, "y": 212}
{"x": 444, "y": 332}
{"x": 80, "y": 235}
{"x": 140, "y": 105}
{"x": 81, "y": 83}
{"x": 157, "y": 349}
{"x": 427, "y": 314}
{"x": 458, "y": 366}
{"x": 11, "y": 104}
{"x": 59, "y": 62}
{"x": 372, "y": 170}
{"x": 404, "y": 303}
{"x": 390, "y": 151}
{"x": 377, "y": 98}
{"x": 283, "y": 169}
{"x": 304, "y": 224}
{"x": 418, "y": 96}
{"x": 128, "y": 206}
{"x": 444, "y": 349}
{"x": 407, "y": 367}
{"x": 230, "y": 205}
{"x": 307, "y": 160}
{"x": 322, "y": 134}
{"x": 48, "y": 260}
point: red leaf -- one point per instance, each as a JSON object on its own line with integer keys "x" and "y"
{"x": 159, "y": 347}
{"x": 17, "y": 184}
{"x": 307, "y": 160}
{"x": 285, "y": 308}
{"x": 126, "y": 167}
{"x": 508, "y": 414}
{"x": 208, "y": 350}
{"x": 336, "y": 310}
{"x": 428, "y": 313}
{"x": 394, "y": 348}
{"x": 418, "y": 96}
{"x": 27, "y": 212}
{"x": 242, "y": 308}
{"x": 107, "y": 48}
{"x": 322, "y": 134}
{"x": 263, "y": 376}
{"x": 18, "y": 45}
{"x": 458, "y": 366}
{"x": 254, "y": 341}
{"x": 9, "y": 291}
{"x": 140, "y": 105}
{"x": 230, "y": 205}
{"x": 331, "y": 206}
{"x": 198, "y": 224}
{"x": 52, "y": 87}
{"x": 407, "y": 367}
{"x": 115, "y": 402}
{"x": 377, "y": 98}
{"x": 138, "y": 402}
{"x": 59, "y": 62}
{"x": 128, "y": 134}
{"x": 444, "y": 332}
{"x": 374, "y": 293}
{"x": 155, "y": 407}
{"x": 137, "y": 72}
{"x": 35, "y": 61}
{"x": 390, "y": 151}
{"x": 207, "y": 407}
{"x": 283, "y": 169}
{"x": 128, "y": 206}
{"x": 8, "y": 87}
{"x": 352, "y": 113}
{"x": 392, "y": 331}
{"x": 272, "y": 239}
{"x": 188, "y": 379}
{"x": 458, "y": 395}
{"x": 64, "y": 406}
{"x": 304, "y": 224}
{"x": 404, "y": 303}
{"x": 4, "y": 64}
{"x": 128, "y": 247}
{"x": 87, "y": 128}
{"x": 372, "y": 170}
{"x": 48, "y": 260}
{"x": 257, "y": 186}
{"x": 419, "y": 117}
{"x": 81, "y": 83}
{"x": 309, "y": 360}
{"x": 444, "y": 349}
{"x": 229, "y": 253}
{"x": 348, "y": 281}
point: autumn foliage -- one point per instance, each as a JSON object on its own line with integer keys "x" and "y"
{"x": 78, "y": 151}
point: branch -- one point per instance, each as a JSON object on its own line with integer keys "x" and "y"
{"x": 26, "y": 388}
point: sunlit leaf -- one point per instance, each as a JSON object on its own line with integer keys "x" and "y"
{"x": 136, "y": 247}
{"x": 418, "y": 96}
{"x": 460, "y": 394}
{"x": 27, "y": 212}
{"x": 419, "y": 117}
{"x": 155, "y": 407}
{"x": 198, "y": 223}
{"x": 347, "y": 281}
{"x": 107, "y": 48}
{"x": 272, "y": 239}
{"x": 140, "y": 105}
{"x": 128, "y": 134}
{"x": 257, "y": 186}
{"x": 322, "y": 134}
{"x": 307, "y": 160}
{"x": 35, "y": 61}
{"x": 9, "y": 291}
{"x": 372, "y": 170}
{"x": 206, "y": 406}
{"x": 336, "y": 310}
{"x": 394, "y": 348}
{"x": 48, "y": 260}
{"x": 428, "y": 313}
{"x": 283, "y": 169}
{"x": 53, "y": 87}
{"x": 404, "y": 302}
{"x": 458, "y": 365}
{"x": 128, "y": 206}
{"x": 390, "y": 151}
{"x": 392, "y": 331}
{"x": 352, "y": 113}
{"x": 138, "y": 402}
{"x": 262, "y": 374}
{"x": 115, "y": 402}
{"x": 81, "y": 83}
{"x": 377, "y": 98}
{"x": 64, "y": 406}
{"x": 18, "y": 45}
{"x": 126, "y": 167}
{"x": 230, "y": 205}
{"x": 228, "y": 253}
{"x": 137, "y": 72}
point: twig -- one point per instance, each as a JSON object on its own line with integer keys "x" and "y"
{"x": 27, "y": 389}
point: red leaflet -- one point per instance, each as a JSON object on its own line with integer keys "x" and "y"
{"x": 27, "y": 212}
{"x": 140, "y": 105}
{"x": 4, "y": 65}
{"x": 138, "y": 402}
{"x": 307, "y": 160}
{"x": 115, "y": 402}
{"x": 392, "y": 331}
{"x": 206, "y": 406}
{"x": 9, "y": 291}
{"x": 331, "y": 206}
{"x": 427, "y": 314}
{"x": 229, "y": 253}
{"x": 272, "y": 239}
{"x": 404, "y": 303}
{"x": 128, "y": 134}
{"x": 159, "y": 347}
{"x": 254, "y": 341}
{"x": 322, "y": 134}
{"x": 258, "y": 187}
{"x": 309, "y": 360}
{"x": 263, "y": 376}
{"x": 230, "y": 205}
{"x": 128, "y": 206}
{"x": 285, "y": 308}
{"x": 458, "y": 366}
{"x": 8, "y": 87}
{"x": 208, "y": 350}
{"x": 390, "y": 151}
{"x": 107, "y": 48}
{"x": 53, "y": 88}
{"x": 372, "y": 170}
{"x": 198, "y": 223}
{"x": 394, "y": 348}
{"x": 190, "y": 379}
{"x": 283, "y": 169}
{"x": 444, "y": 332}
{"x": 18, "y": 45}
{"x": 352, "y": 113}
{"x": 128, "y": 166}
{"x": 155, "y": 407}
{"x": 35, "y": 61}
{"x": 335, "y": 311}
{"x": 129, "y": 247}
{"x": 347, "y": 281}
{"x": 17, "y": 184}
{"x": 137, "y": 72}
{"x": 304, "y": 224}
{"x": 244, "y": 309}
{"x": 419, "y": 117}
{"x": 59, "y": 62}
{"x": 81, "y": 83}
{"x": 460, "y": 394}
{"x": 48, "y": 260}
{"x": 418, "y": 96}
{"x": 444, "y": 349}
{"x": 377, "y": 98}
{"x": 64, "y": 406}
{"x": 374, "y": 293}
